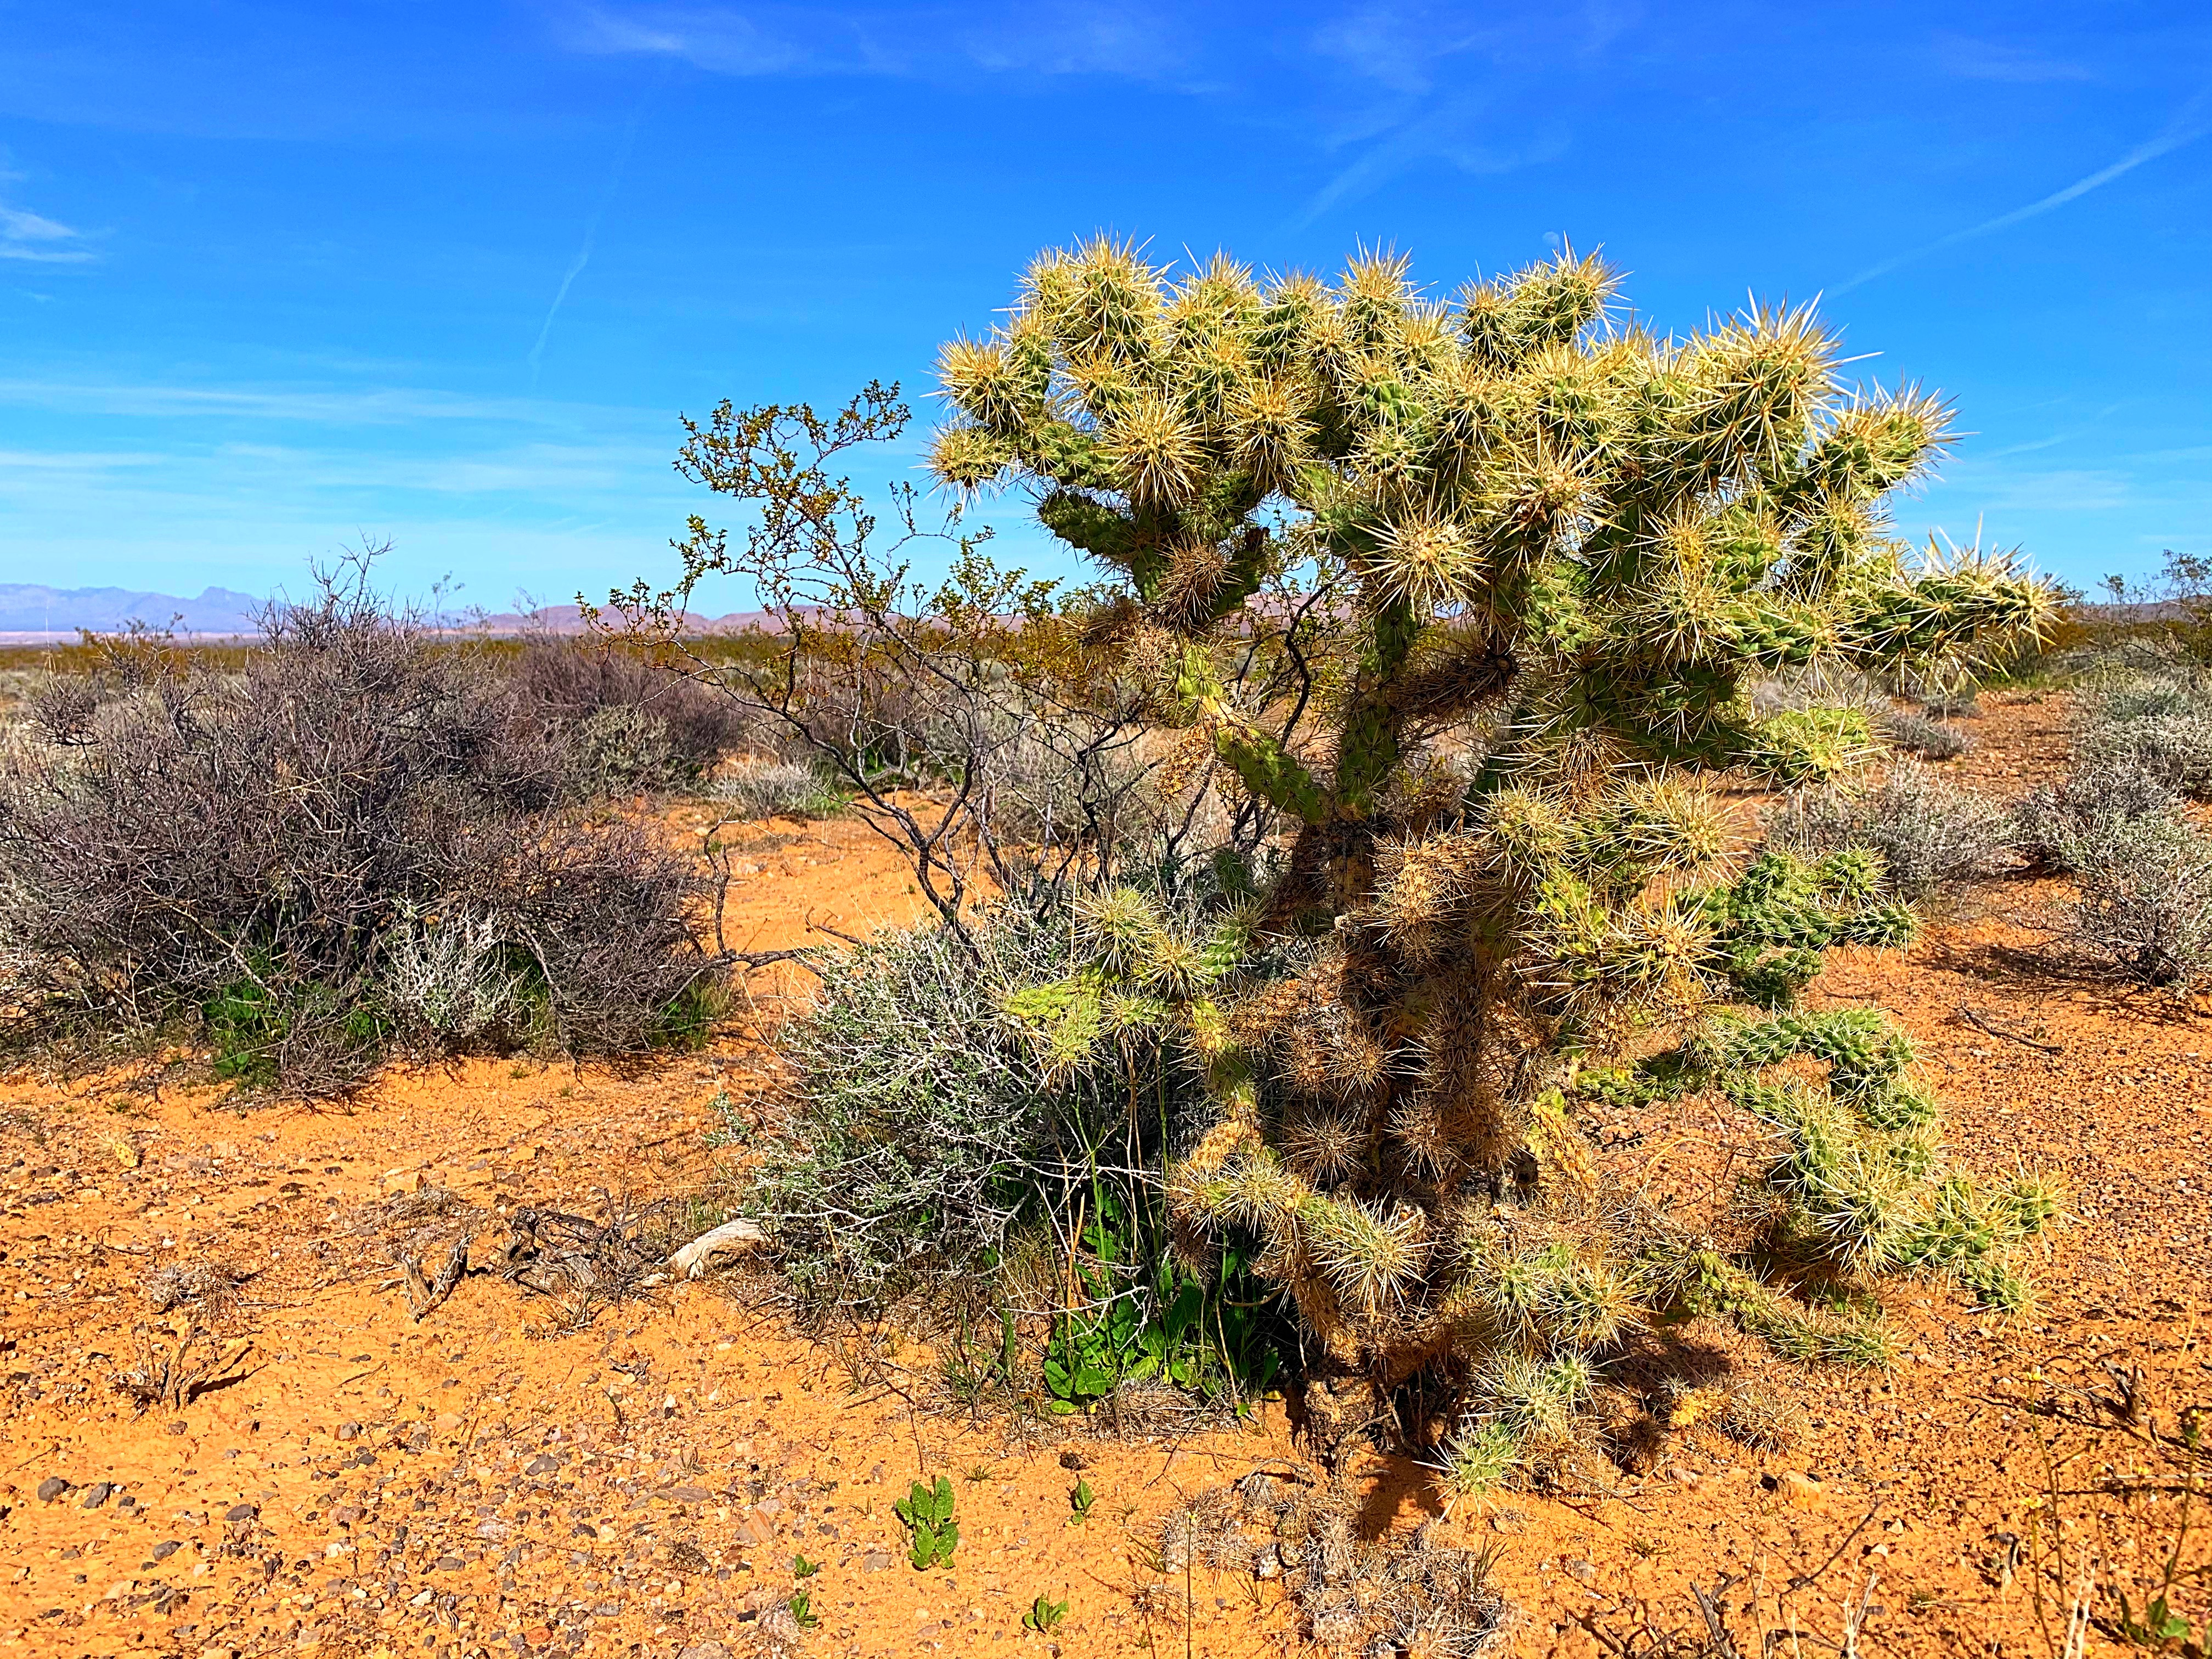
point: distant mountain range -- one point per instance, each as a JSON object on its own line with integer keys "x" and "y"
{"x": 26, "y": 608}
{"x": 32, "y": 613}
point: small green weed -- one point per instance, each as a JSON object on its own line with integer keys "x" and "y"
{"x": 803, "y": 1568}
{"x": 927, "y": 1514}
{"x": 1080, "y": 1500}
{"x": 802, "y": 1610}
{"x": 1044, "y": 1615}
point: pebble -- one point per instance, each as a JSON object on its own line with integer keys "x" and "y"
{"x": 51, "y": 1487}
{"x": 1579, "y": 1570}
{"x": 874, "y": 1561}
{"x": 242, "y": 1512}
{"x": 1802, "y": 1490}
{"x": 704, "y": 1651}
{"x": 544, "y": 1463}
{"x": 166, "y": 1548}
{"x": 97, "y": 1493}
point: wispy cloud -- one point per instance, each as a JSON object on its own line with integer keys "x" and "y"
{"x": 2003, "y": 60}
{"x": 1442, "y": 134}
{"x": 1074, "y": 37}
{"x": 374, "y": 406}
{"x": 39, "y": 240}
{"x": 1438, "y": 89}
{"x": 2187, "y": 127}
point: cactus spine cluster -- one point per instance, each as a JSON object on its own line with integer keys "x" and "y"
{"x": 1565, "y": 548}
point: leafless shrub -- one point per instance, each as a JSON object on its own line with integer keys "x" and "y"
{"x": 172, "y": 1372}
{"x": 1931, "y": 833}
{"x": 210, "y": 1287}
{"x": 777, "y": 789}
{"x": 352, "y": 844}
{"x": 1931, "y": 739}
{"x": 628, "y": 725}
{"x": 2145, "y": 905}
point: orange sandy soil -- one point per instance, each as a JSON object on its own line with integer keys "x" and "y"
{"x": 483, "y": 1483}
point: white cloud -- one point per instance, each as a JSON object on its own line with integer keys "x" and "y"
{"x": 42, "y": 241}
{"x": 2185, "y": 127}
{"x": 1074, "y": 37}
{"x": 2002, "y": 60}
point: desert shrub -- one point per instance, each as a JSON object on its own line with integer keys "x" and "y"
{"x": 351, "y": 845}
{"x": 777, "y": 789}
{"x": 921, "y": 1147}
{"x": 1469, "y": 600}
{"x": 2145, "y": 903}
{"x": 1932, "y": 833}
{"x": 629, "y": 725}
{"x": 1930, "y": 739}
{"x": 2059, "y": 826}
{"x": 1951, "y": 703}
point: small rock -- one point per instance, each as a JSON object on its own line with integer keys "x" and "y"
{"x": 97, "y": 1493}
{"x": 1073, "y": 1459}
{"x": 448, "y": 1563}
{"x": 1509, "y": 1522}
{"x": 51, "y": 1487}
{"x": 1579, "y": 1570}
{"x": 704, "y": 1651}
{"x": 1802, "y": 1490}
{"x": 179, "y": 1427}
{"x": 348, "y": 1431}
{"x": 691, "y": 1495}
{"x": 242, "y": 1512}
{"x": 544, "y": 1463}
{"x": 166, "y": 1548}
{"x": 449, "y": 1421}
{"x": 874, "y": 1561}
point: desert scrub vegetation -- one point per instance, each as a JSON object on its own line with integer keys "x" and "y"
{"x": 2118, "y": 821}
{"x": 1932, "y": 834}
{"x": 625, "y": 725}
{"x": 917, "y": 1156}
{"x": 1441, "y": 619}
{"x": 347, "y": 843}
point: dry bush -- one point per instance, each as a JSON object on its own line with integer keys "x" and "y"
{"x": 351, "y": 845}
{"x": 627, "y": 724}
{"x": 1930, "y": 739}
{"x": 2145, "y": 905}
{"x": 1932, "y": 834}
{"x": 777, "y": 789}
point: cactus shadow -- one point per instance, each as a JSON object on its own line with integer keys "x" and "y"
{"x": 1398, "y": 1493}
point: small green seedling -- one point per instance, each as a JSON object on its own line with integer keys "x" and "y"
{"x": 927, "y": 1513}
{"x": 803, "y": 1568}
{"x": 1080, "y": 1500}
{"x": 1044, "y": 1614}
{"x": 802, "y": 1609}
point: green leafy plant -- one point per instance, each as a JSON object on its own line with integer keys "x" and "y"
{"x": 1044, "y": 1615}
{"x": 927, "y": 1513}
{"x": 1080, "y": 1500}
{"x": 803, "y": 1568}
{"x": 802, "y": 1610}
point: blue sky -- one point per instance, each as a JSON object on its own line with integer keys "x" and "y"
{"x": 274, "y": 277}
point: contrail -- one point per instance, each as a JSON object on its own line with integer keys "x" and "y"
{"x": 2185, "y": 128}
{"x": 591, "y": 232}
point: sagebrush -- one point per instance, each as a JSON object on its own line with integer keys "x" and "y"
{"x": 352, "y": 843}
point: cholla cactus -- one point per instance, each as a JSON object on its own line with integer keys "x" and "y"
{"x": 1557, "y": 552}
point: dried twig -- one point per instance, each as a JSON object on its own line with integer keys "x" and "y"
{"x": 1989, "y": 1027}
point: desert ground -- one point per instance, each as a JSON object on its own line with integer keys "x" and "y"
{"x": 498, "y": 1477}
